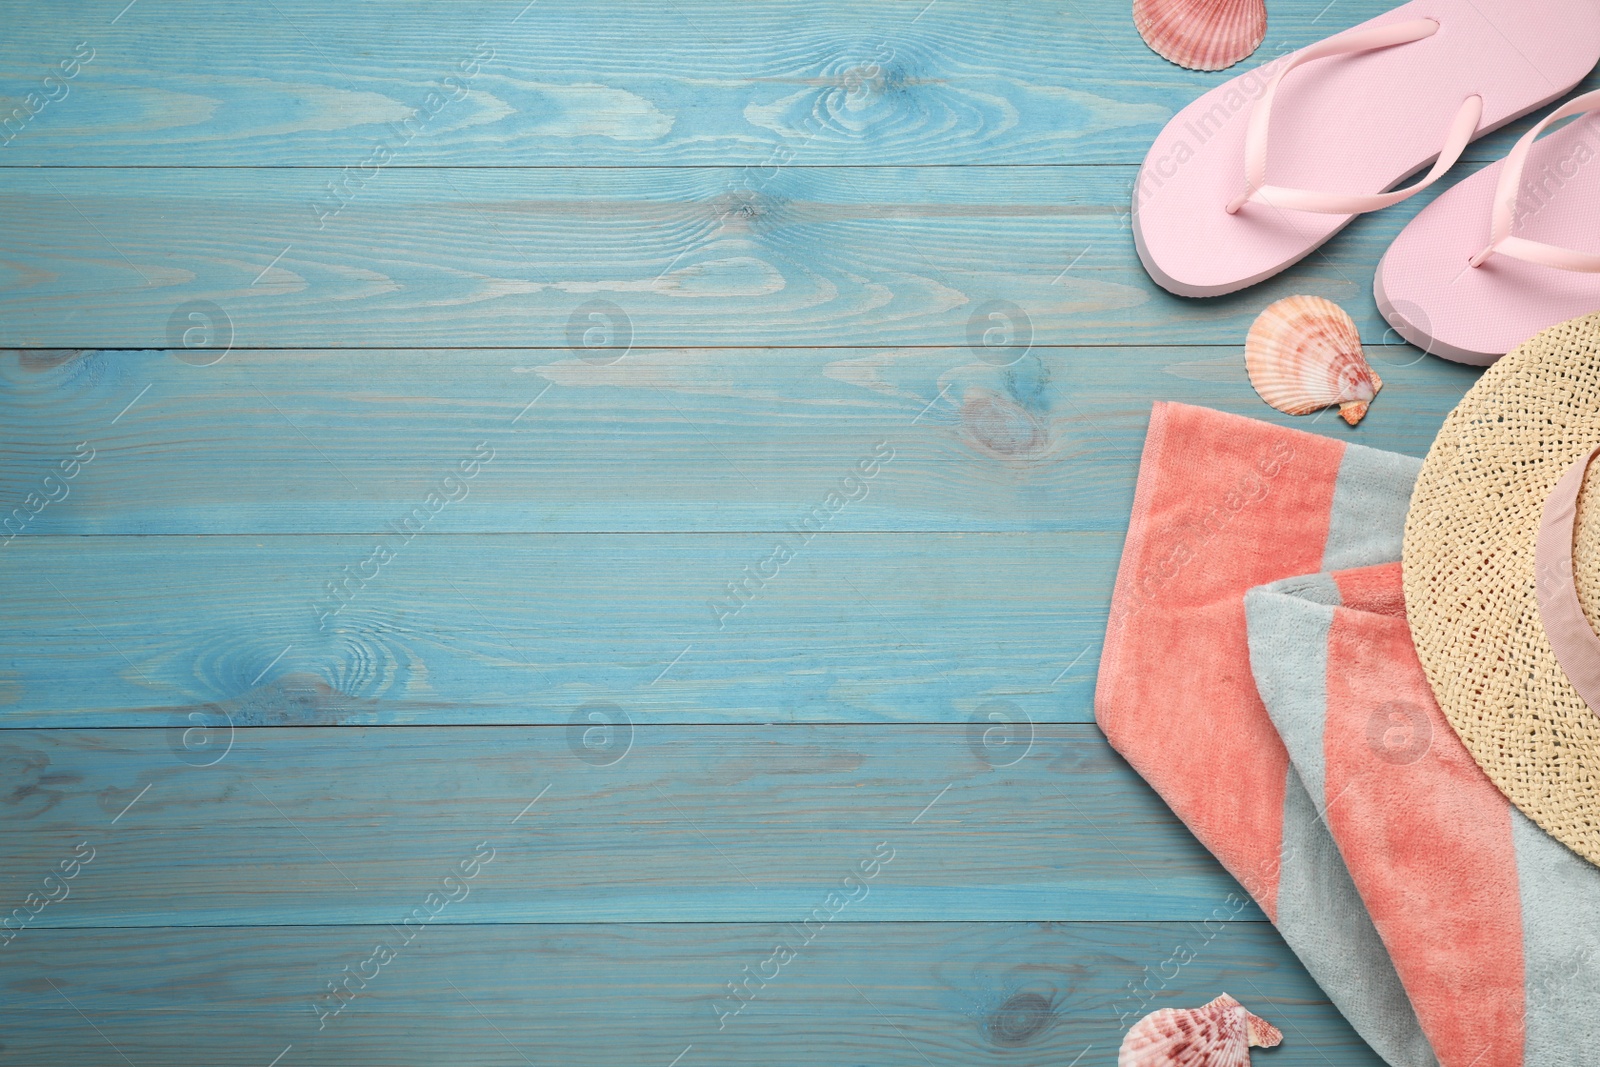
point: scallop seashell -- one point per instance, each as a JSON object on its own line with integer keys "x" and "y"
{"x": 1201, "y": 34}
{"x": 1303, "y": 354}
{"x": 1217, "y": 1035}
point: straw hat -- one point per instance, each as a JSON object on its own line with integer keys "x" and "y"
{"x": 1482, "y": 625}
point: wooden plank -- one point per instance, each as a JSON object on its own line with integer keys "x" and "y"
{"x": 527, "y": 628}
{"x": 605, "y": 84}
{"x": 602, "y": 820}
{"x": 906, "y": 995}
{"x": 341, "y": 441}
{"x": 855, "y": 256}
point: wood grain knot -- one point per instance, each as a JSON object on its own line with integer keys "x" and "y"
{"x": 1020, "y": 1019}
{"x": 296, "y": 699}
{"x": 46, "y": 358}
{"x": 740, "y": 208}
{"x": 36, "y": 789}
{"x": 1000, "y": 425}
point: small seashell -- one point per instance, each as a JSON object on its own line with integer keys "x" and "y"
{"x": 1201, "y": 34}
{"x": 1217, "y": 1035}
{"x": 1303, "y": 354}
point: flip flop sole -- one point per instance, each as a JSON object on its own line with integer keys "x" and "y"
{"x": 1356, "y": 123}
{"x": 1434, "y": 299}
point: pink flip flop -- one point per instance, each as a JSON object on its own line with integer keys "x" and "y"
{"x": 1216, "y": 208}
{"x": 1459, "y": 284}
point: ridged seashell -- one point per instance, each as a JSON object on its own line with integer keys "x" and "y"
{"x": 1217, "y": 1035}
{"x": 1303, "y": 354}
{"x": 1201, "y": 34}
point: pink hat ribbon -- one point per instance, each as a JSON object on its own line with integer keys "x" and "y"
{"x": 1576, "y": 647}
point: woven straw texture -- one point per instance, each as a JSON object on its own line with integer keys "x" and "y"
{"x": 1469, "y": 585}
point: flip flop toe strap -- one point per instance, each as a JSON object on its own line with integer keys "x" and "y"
{"x": 1457, "y": 137}
{"x": 1501, "y": 240}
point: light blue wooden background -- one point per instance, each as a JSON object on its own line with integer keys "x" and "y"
{"x": 794, "y": 212}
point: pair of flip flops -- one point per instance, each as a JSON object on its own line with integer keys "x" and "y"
{"x": 1255, "y": 175}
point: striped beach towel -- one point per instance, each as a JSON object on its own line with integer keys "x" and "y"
{"x": 1224, "y": 504}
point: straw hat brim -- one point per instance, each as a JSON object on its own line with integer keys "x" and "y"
{"x": 1469, "y": 576}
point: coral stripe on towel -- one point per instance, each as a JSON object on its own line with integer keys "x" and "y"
{"x": 1205, "y": 480}
{"x": 1426, "y": 835}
